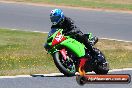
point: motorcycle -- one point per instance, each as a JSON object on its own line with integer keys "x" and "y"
{"x": 67, "y": 51}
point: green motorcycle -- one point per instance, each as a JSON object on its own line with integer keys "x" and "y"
{"x": 67, "y": 51}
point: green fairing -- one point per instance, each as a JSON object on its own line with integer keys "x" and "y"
{"x": 74, "y": 46}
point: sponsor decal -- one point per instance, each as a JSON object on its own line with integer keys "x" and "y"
{"x": 104, "y": 79}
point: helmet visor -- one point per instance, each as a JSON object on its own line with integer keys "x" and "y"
{"x": 55, "y": 18}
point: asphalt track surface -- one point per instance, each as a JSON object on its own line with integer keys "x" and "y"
{"x": 36, "y": 18}
{"x": 57, "y": 82}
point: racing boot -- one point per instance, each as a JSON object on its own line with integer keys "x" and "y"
{"x": 92, "y": 39}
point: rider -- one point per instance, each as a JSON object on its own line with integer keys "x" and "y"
{"x": 59, "y": 20}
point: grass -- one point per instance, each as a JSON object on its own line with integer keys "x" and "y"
{"x": 104, "y": 4}
{"x": 22, "y": 52}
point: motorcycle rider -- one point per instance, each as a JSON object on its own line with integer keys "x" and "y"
{"x": 59, "y": 20}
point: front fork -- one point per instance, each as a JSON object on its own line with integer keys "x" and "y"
{"x": 82, "y": 62}
{"x": 64, "y": 52}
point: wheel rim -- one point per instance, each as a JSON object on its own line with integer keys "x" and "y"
{"x": 68, "y": 64}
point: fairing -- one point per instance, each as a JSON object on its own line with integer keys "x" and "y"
{"x": 57, "y": 39}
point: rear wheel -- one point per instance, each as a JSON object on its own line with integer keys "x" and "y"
{"x": 102, "y": 66}
{"x": 67, "y": 67}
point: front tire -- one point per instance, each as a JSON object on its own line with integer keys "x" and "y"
{"x": 58, "y": 62}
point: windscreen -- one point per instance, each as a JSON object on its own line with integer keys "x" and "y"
{"x": 52, "y": 32}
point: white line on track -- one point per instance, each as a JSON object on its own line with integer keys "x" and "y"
{"x": 124, "y": 69}
{"x": 53, "y": 74}
{"x": 17, "y": 76}
{"x": 116, "y": 40}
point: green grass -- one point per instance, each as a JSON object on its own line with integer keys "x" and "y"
{"x": 22, "y": 52}
{"x": 105, "y": 4}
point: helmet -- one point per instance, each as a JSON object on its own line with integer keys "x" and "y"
{"x": 56, "y": 16}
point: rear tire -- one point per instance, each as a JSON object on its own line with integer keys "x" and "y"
{"x": 103, "y": 66}
{"x": 57, "y": 60}
{"x": 101, "y": 69}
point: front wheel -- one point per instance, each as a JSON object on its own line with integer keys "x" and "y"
{"x": 67, "y": 67}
